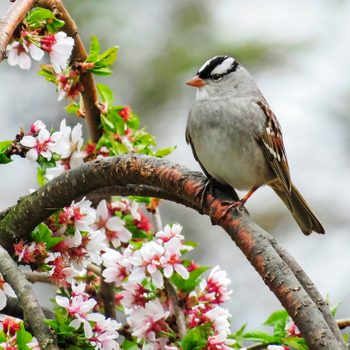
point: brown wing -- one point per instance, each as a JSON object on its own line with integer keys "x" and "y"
{"x": 272, "y": 144}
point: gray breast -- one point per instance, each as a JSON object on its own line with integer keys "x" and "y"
{"x": 224, "y": 135}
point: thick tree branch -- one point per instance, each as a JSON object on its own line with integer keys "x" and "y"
{"x": 310, "y": 288}
{"x": 181, "y": 184}
{"x": 14, "y": 309}
{"x": 30, "y": 305}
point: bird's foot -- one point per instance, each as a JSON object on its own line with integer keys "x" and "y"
{"x": 203, "y": 191}
{"x": 238, "y": 205}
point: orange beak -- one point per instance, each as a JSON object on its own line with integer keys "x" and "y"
{"x": 196, "y": 82}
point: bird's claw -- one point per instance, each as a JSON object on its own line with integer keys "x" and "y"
{"x": 203, "y": 191}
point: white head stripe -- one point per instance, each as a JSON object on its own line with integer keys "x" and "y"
{"x": 206, "y": 64}
{"x": 223, "y": 67}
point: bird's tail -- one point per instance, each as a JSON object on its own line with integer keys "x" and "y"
{"x": 300, "y": 210}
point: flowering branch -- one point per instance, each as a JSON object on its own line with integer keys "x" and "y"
{"x": 176, "y": 183}
{"x": 89, "y": 93}
{"x": 30, "y": 305}
{"x": 13, "y": 17}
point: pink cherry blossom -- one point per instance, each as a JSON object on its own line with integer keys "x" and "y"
{"x": 118, "y": 266}
{"x": 18, "y": 54}
{"x": 219, "y": 317}
{"x": 147, "y": 260}
{"x": 112, "y": 226}
{"x": 104, "y": 332}
{"x": 44, "y": 144}
{"x": 171, "y": 259}
{"x": 215, "y": 287}
{"x": 146, "y": 322}
{"x": 170, "y": 232}
{"x": 133, "y": 295}
{"x": 59, "y": 47}
{"x": 80, "y": 214}
{"x": 219, "y": 342}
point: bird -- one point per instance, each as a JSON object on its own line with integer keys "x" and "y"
{"x": 237, "y": 139}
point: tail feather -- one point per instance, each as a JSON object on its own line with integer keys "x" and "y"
{"x": 300, "y": 210}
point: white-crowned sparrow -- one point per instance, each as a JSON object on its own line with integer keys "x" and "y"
{"x": 236, "y": 137}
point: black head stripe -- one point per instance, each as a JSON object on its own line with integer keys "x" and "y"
{"x": 205, "y": 71}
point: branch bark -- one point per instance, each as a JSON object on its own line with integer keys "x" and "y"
{"x": 31, "y": 308}
{"x": 174, "y": 182}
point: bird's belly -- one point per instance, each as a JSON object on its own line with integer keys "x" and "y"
{"x": 228, "y": 160}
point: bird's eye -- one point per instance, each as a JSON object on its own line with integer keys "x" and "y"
{"x": 216, "y": 77}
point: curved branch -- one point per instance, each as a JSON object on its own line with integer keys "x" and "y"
{"x": 30, "y": 305}
{"x": 180, "y": 184}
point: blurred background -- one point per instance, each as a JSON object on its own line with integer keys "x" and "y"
{"x": 299, "y": 54}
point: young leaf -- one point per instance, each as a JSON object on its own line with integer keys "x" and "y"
{"x": 94, "y": 49}
{"x": 4, "y": 145}
{"x": 72, "y": 108}
{"x": 105, "y": 92}
{"x": 261, "y": 337}
{"x": 162, "y": 152}
{"x": 295, "y": 342}
{"x": 108, "y": 57}
{"x": 129, "y": 345}
{"x": 192, "y": 281}
{"x": 38, "y": 14}
{"x": 54, "y": 25}
{"x": 23, "y": 338}
{"x": 276, "y": 316}
{"x": 43, "y": 234}
{"x": 196, "y": 338}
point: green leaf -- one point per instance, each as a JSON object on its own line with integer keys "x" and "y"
{"x": 276, "y": 316}
{"x": 295, "y": 342}
{"x": 48, "y": 73}
{"x": 4, "y": 145}
{"x": 334, "y": 309}
{"x": 2, "y": 336}
{"x": 259, "y": 336}
{"x": 94, "y": 49}
{"x": 43, "y": 234}
{"x": 238, "y": 334}
{"x": 108, "y": 57}
{"x": 72, "y": 108}
{"x": 107, "y": 124}
{"x": 54, "y": 25}
{"x": 164, "y": 151}
{"x": 38, "y": 14}
{"x": 40, "y": 176}
{"x": 192, "y": 281}
{"x": 23, "y": 338}
{"x": 196, "y": 338}
{"x": 105, "y": 92}
{"x": 4, "y": 159}
{"x": 129, "y": 345}
{"x": 103, "y": 71}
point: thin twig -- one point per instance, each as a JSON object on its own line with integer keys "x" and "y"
{"x": 94, "y": 268}
{"x": 180, "y": 183}
{"x": 178, "y": 311}
{"x": 343, "y": 323}
{"x": 33, "y": 313}
{"x": 37, "y": 277}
